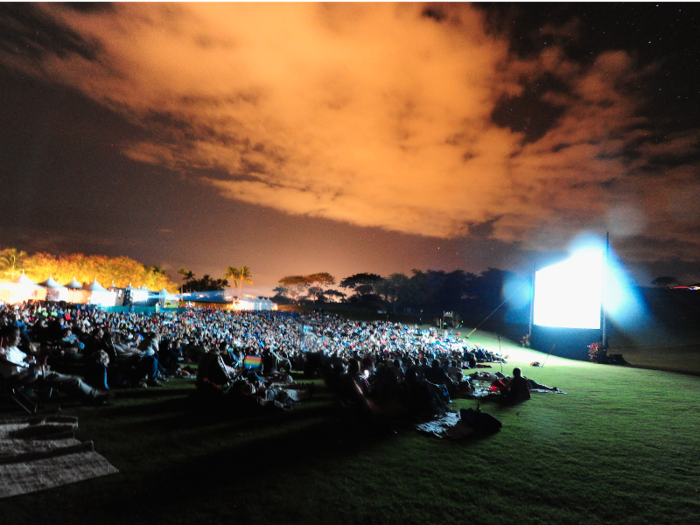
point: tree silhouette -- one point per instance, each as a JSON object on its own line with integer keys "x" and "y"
{"x": 207, "y": 284}
{"x": 234, "y": 274}
{"x": 361, "y": 283}
{"x": 245, "y": 276}
{"x": 294, "y": 285}
{"x": 239, "y": 276}
{"x": 666, "y": 280}
{"x": 185, "y": 275}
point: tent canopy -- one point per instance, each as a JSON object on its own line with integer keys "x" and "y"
{"x": 23, "y": 279}
{"x": 51, "y": 283}
{"x": 94, "y": 286}
{"x": 74, "y": 284}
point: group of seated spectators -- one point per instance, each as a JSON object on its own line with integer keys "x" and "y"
{"x": 394, "y": 367}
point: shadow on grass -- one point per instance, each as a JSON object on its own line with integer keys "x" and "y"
{"x": 199, "y": 464}
{"x": 248, "y": 462}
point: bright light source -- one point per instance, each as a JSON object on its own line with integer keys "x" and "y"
{"x": 623, "y": 305}
{"x": 139, "y": 296}
{"x": 569, "y": 294}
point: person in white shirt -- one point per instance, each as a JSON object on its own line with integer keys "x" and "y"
{"x": 16, "y": 365}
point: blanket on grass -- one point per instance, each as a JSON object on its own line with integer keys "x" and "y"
{"x": 41, "y": 453}
{"x": 448, "y": 426}
{"x": 483, "y": 389}
{"x": 460, "y": 425}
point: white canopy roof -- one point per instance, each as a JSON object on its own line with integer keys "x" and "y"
{"x": 23, "y": 279}
{"x": 94, "y": 286}
{"x": 51, "y": 283}
{"x": 74, "y": 284}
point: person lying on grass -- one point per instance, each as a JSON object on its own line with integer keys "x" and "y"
{"x": 491, "y": 378}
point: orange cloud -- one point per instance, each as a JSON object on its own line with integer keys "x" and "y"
{"x": 374, "y": 115}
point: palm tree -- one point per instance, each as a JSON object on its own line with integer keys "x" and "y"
{"x": 157, "y": 269}
{"x": 246, "y": 276}
{"x": 233, "y": 273}
{"x": 11, "y": 259}
{"x": 239, "y": 276}
{"x": 185, "y": 275}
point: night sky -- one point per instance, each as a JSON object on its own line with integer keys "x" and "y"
{"x": 302, "y": 138}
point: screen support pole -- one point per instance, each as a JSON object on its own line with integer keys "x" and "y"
{"x": 603, "y": 316}
{"x": 532, "y": 303}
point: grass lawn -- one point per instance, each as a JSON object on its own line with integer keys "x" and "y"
{"x": 621, "y": 447}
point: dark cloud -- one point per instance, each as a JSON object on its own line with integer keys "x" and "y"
{"x": 484, "y": 229}
{"x": 435, "y": 12}
{"x": 90, "y": 6}
{"x": 28, "y": 33}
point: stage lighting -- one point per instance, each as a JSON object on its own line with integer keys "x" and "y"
{"x": 569, "y": 294}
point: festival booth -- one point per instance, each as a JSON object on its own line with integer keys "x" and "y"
{"x": 254, "y": 303}
{"x": 96, "y": 294}
{"x": 167, "y": 299}
{"x": 75, "y": 292}
{"x": 20, "y": 290}
{"x": 140, "y": 296}
{"x": 120, "y": 292}
{"x": 55, "y": 291}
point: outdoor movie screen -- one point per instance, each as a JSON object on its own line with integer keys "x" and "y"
{"x": 569, "y": 294}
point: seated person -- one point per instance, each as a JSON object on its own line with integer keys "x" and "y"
{"x": 71, "y": 347}
{"x": 213, "y": 368}
{"x": 516, "y": 388}
{"x": 96, "y": 370}
{"x": 438, "y": 376}
{"x": 454, "y": 372}
{"x": 18, "y": 366}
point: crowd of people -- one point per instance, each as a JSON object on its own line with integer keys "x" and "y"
{"x": 376, "y": 367}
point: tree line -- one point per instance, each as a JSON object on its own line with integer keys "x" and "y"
{"x": 85, "y": 268}
{"x": 207, "y": 283}
{"x": 432, "y": 292}
{"x": 120, "y": 270}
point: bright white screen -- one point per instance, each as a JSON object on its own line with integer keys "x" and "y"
{"x": 568, "y": 294}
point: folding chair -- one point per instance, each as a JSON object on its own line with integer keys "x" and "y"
{"x": 16, "y": 392}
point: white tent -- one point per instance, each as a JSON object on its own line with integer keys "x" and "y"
{"x": 54, "y": 290}
{"x": 74, "y": 285}
{"x": 165, "y": 294}
{"x": 75, "y": 292}
{"x": 254, "y": 303}
{"x": 20, "y": 290}
{"x": 167, "y": 299}
{"x": 95, "y": 293}
{"x": 139, "y": 296}
{"x": 119, "y": 301}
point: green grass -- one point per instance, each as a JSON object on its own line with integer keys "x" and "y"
{"x": 621, "y": 447}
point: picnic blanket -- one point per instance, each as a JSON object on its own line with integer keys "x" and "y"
{"x": 40, "y": 453}
{"x": 448, "y": 426}
{"x": 483, "y": 389}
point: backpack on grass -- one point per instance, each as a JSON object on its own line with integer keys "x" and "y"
{"x": 480, "y": 422}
